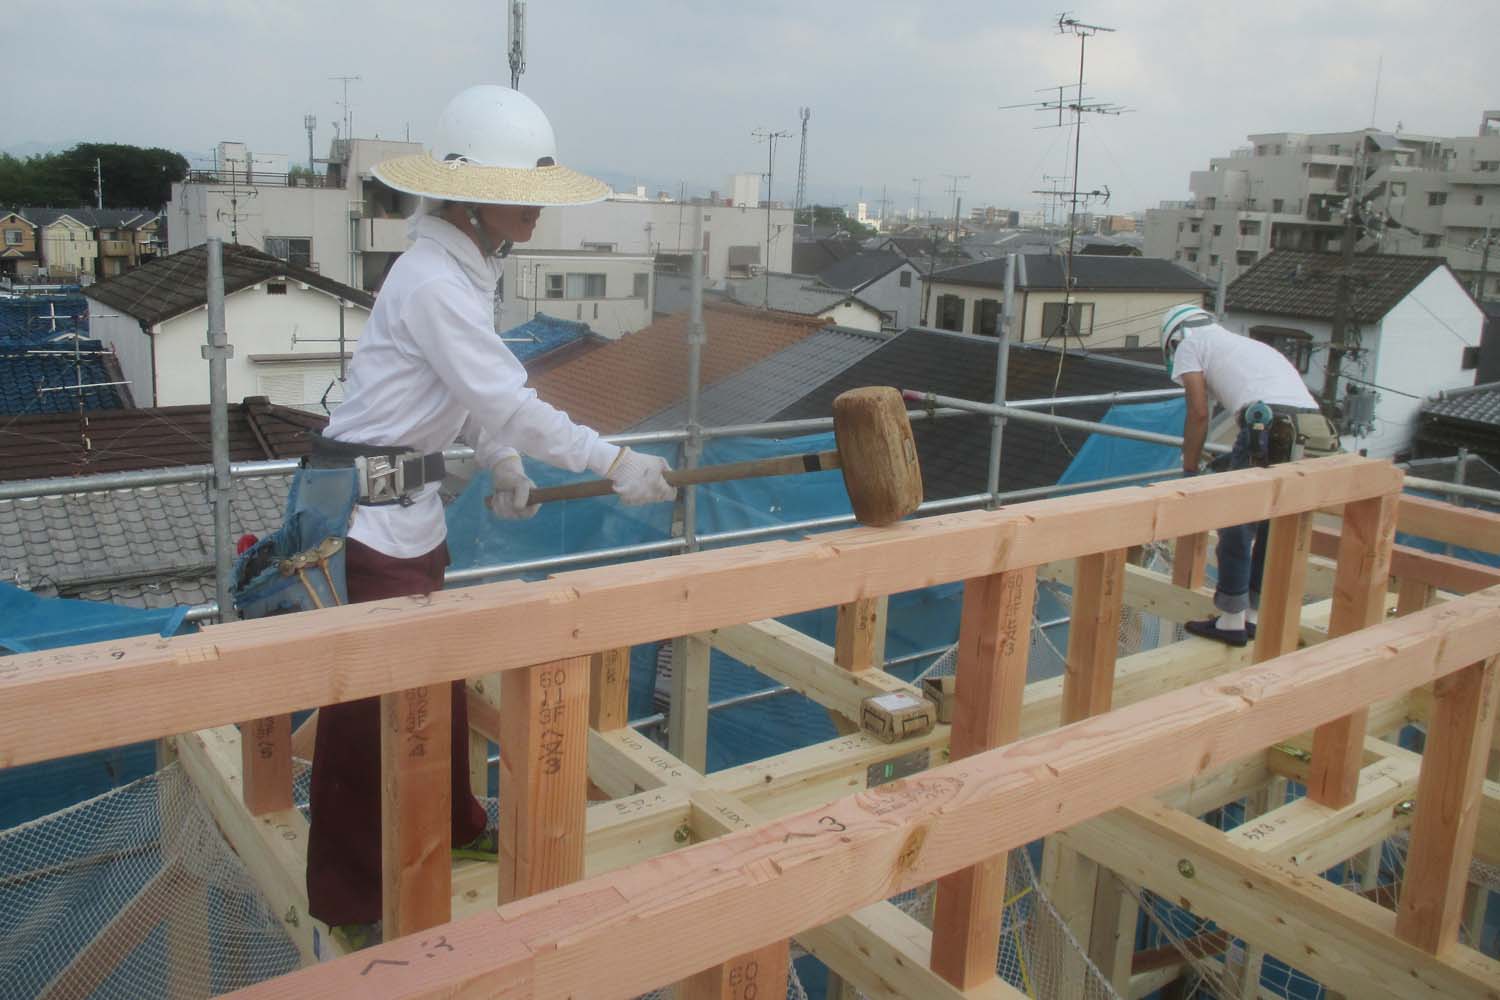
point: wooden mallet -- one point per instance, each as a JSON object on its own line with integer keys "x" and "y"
{"x": 875, "y": 451}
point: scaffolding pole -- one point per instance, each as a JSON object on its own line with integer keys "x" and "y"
{"x": 217, "y": 352}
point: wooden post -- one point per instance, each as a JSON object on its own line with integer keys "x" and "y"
{"x": 543, "y": 776}
{"x": 859, "y": 642}
{"x": 1364, "y": 567}
{"x": 416, "y": 805}
{"x": 757, "y": 975}
{"x": 609, "y": 689}
{"x": 1448, "y": 794}
{"x": 1285, "y": 582}
{"x": 1112, "y": 944}
{"x": 1190, "y": 561}
{"x": 1413, "y": 595}
{"x": 687, "y": 722}
{"x": 266, "y": 763}
{"x": 1069, "y": 878}
{"x": 994, "y": 639}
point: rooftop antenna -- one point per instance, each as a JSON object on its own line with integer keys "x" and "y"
{"x": 310, "y": 123}
{"x": 917, "y": 202}
{"x": 517, "y": 50}
{"x": 348, "y": 108}
{"x": 233, "y": 216}
{"x": 805, "y": 113}
{"x": 1375, "y": 101}
{"x": 955, "y": 191}
{"x": 769, "y": 137}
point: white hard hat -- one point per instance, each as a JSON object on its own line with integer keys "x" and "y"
{"x": 494, "y": 146}
{"x": 1176, "y": 322}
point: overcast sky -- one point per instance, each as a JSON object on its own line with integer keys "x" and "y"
{"x": 662, "y": 91}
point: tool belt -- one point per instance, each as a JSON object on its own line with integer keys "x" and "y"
{"x": 384, "y": 474}
{"x": 300, "y": 566}
{"x": 1280, "y": 433}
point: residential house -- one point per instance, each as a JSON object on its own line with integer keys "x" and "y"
{"x": 1467, "y": 419}
{"x": 86, "y": 243}
{"x": 804, "y": 295}
{"x": 20, "y": 255}
{"x": 954, "y": 451}
{"x": 609, "y": 291}
{"x": 888, "y": 281}
{"x": 69, "y": 247}
{"x": 1423, "y": 195}
{"x": 1415, "y": 331}
{"x": 811, "y": 256}
{"x": 346, "y": 224}
{"x": 1114, "y": 301}
{"x": 286, "y": 324}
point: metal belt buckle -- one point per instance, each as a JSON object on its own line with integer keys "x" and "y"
{"x": 381, "y": 478}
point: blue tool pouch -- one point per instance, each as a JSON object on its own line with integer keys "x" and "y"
{"x": 301, "y": 566}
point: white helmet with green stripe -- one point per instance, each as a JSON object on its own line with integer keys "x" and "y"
{"x": 1176, "y": 322}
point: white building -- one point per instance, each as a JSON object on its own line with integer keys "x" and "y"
{"x": 1414, "y": 332}
{"x": 611, "y": 292}
{"x": 348, "y": 226}
{"x": 1286, "y": 190}
{"x": 744, "y": 190}
{"x": 285, "y": 324}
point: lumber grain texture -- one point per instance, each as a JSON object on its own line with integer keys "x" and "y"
{"x": 416, "y": 802}
{"x": 266, "y": 763}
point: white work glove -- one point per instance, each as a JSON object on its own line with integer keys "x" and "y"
{"x": 512, "y": 493}
{"x": 641, "y": 479}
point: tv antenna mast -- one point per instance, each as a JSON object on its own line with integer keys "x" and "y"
{"x": 310, "y": 123}
{"x": 517, "y": 48}
{"x": 805, "y": 113}
{"x": 348, "y": 108}
{"x": 233, "y": 216}
{"x": 917, "y": 204}
{"x": 955, "y": 191}
{"x": 769, "y": 137}
{"x": 1070, "y": 114}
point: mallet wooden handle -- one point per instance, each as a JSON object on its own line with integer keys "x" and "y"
{"x": 784, "y": 466}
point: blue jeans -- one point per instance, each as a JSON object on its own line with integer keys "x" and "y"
{"x": 1241, "y": 550}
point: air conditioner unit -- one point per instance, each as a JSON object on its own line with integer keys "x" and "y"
{"x": 1358, "y": 411}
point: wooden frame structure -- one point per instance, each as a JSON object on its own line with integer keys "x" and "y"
{"x": 678, "y": 876}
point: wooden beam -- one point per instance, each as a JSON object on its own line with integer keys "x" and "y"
{"x": 994, "y": 643}
{"x": 543, "y": 776}
{"x": 68, "y": 701}
{"x": 687, "y": 720}
{"x": 609, "y": 689}
{"x": 1334, "y": 936}
{"x": 1413, "y": 595}
{"x": 266, "y": 763}
{"x": 1448, "y": 796}
{"x": 1358, "y": 600}
{"x": 1443, "y": 572}
{"x": 859, "y": 642}
{"x": 1190, "y": 561}
{"x": 602, "y": 938}
{"x": 1286, "y": 579}
{"x": 416, "y": 806}
{"x": 1469, "y": 527}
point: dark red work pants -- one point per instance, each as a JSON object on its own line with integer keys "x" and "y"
{"x": 343, "y": 851}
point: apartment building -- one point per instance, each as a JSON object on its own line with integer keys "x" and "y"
{"x": 1286, "y": 191}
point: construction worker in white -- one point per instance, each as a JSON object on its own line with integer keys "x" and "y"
{"x": 429, "y": 369}
{"x": 1278, "y": 421}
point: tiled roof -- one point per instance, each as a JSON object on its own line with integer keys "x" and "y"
{"x": 108, "y": 218}
{"x": 854, "y": 273}
{"x": 812, "y": 256}
{"x": 1477, "y": 408}
{"x": 25, "y": 372}
{"x": 954, "y": 451}
{"x": 170, "y": 286}
{"x": 541, "y": 335}
{"x": 794, "y": 293}
{"x": 621, "y": 383}
{"x": 44, "y": 446}
{"x": 1304, "y": 283}
{"x": 753, "y": 395}
{"x": 147, "y": 547}
{"x": 36, "y": 319}
{"x": 1090, "y": 273}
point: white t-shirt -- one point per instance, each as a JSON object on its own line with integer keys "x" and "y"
{"x": 1239, "y": 370}
{"x": 430, "y": 368}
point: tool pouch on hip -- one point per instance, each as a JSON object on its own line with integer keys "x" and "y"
{"x": 301, "y": 565}
{"x": 1284, "y": 446}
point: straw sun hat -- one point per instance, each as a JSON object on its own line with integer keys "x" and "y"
{"x": 494, "y": 146}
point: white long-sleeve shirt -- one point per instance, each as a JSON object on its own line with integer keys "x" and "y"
{"x": 430, "y": 368}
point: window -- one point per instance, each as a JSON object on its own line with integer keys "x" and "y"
{"x": 640, "y": 286}
{"x": 12, "y": 237}
{"x": 1193, "y": 228}
{"x": 585, "y": 286}
{"x": 1334, "y": 149}
{"x": 1398, "y": 189}
{"x": 1213, "y": 260}
{"x": 554, "y": 286}
{"x": 1478, "y": 200}
{"x": 1295, "y": 344}
{"x": 950, "y": 313}
{"x": 1218, "y": 229}
{"x": 600, "y": 247}
{"x": 1244, "y": 258}
{"x": 1260, "y": 150}
{"x": 905, "y": 279}
{"x": 276, "y": 288}
{"x": 1436, "y": 198}
{"x": 295, "y": 250}
{"x": 1078, "y": 317}
{"x": 1210, "y": 201}
{"x": 1249, "y": 227}
{"x": 1432, "y": 240}
{"x": 1132, "y": 340}
{"x": 1470, "y": 359}
{"x": 987, "y": 317}
{"x": 1277, "y": 204}
{"x": 1192, "y": 256}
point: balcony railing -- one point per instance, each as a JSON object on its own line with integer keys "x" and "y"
{"x": 257, "y": 178}
{"x": 116, "y": 248}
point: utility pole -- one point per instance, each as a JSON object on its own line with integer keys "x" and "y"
{"x": 805, "y": 113}
{"x": 769, "y": 137}
{"x": 917, "y": 207}
{"x": 310, "y": 123}
{"x": 99, "y": 183}
{"x": 1338, "y": 343}
{"x": 955, "y": 191}
{"x": 517, "y": 49}
{"x": 348, "y": 110}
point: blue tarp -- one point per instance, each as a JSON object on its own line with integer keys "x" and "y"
{"x": 1102, "y": 456}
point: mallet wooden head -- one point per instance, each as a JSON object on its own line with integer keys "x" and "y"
{"x": 878, "y": 454}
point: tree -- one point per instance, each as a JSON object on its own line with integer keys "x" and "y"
{"x": 832, "y": 215}
{"x": 133, "y": 177}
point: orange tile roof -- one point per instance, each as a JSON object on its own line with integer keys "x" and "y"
{"x": 618, "y": 385}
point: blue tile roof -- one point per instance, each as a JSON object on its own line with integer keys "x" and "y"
{"x": 25, "y": 371}
{"x": 543, "y": 334}
{"x": 36, "y": 319}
